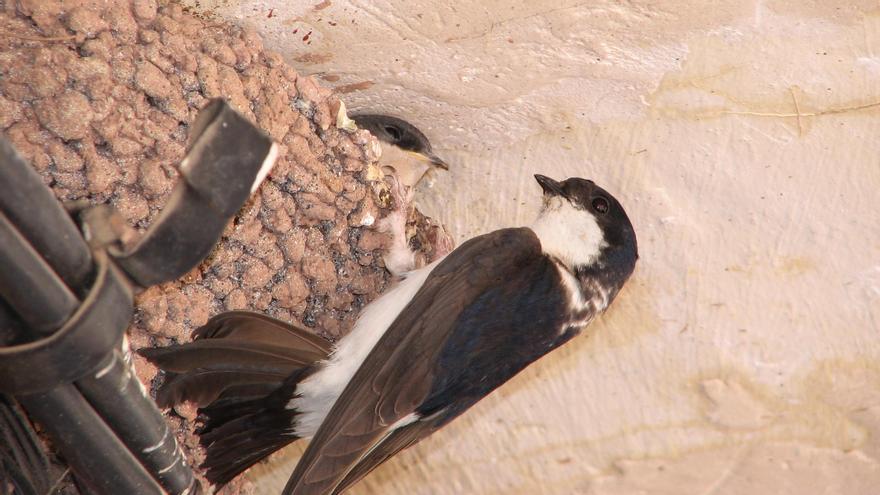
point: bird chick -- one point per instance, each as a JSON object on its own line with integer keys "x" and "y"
{"x": 405, "y": 149}
{"x": 407, "y": 159}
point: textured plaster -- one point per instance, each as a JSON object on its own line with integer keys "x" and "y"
{"x": 743, "y": 138}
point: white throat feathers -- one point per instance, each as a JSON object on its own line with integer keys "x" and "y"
{"x": 410, "y": 166}
{"x": 569, "y": 234}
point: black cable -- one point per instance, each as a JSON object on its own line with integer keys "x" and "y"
{"x": 98, "y": 459}
{"x": 30, "y": 286}
{"x": 33, "y": 209}
{"x": 135, "y": 422}
{"x": 77, "y": 306}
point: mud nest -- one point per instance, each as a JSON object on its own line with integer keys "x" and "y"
{"x": 98, "y": 97}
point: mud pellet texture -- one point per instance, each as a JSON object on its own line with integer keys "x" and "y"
{"x": 99, "y": 96}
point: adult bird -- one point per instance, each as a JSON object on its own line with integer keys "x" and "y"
{"x": 418, "y": 356}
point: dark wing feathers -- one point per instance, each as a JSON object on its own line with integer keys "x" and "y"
{"x": 398, "y": 374}
{"x": 398, "y": 440}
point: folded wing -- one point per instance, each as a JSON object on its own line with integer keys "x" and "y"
{"x": 381, "y": 411}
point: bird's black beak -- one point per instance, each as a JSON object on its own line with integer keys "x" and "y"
{"x": 437, "y": 161}
{"x": 549, "y": 185}
{"x": 429, "y": 157}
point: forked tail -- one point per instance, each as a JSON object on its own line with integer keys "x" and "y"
{"x": 241, "y": 370}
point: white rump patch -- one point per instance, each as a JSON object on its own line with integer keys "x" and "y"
{"x": 318, "y": 392}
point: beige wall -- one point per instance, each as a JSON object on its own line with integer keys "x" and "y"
{"x": 743, "y": 138}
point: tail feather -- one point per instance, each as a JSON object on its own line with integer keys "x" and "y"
{"x": 233, "y": 409}
{"x": 224, "y": 467}
{"x": 203, "y": 387}
{"x": 235, "y": 394}
{"x": 240, "y": 434}
{"x": 239, "y": 443}
{"x": 229, "y": 352}
{"x": 235, "y": 349}
{"x": 241, "y": 370}
{"x": 245, "y": 325}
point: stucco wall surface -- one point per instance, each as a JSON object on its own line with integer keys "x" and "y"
{"x": 743, "y": 137}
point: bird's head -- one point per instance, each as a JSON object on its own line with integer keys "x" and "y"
{"x": 401, "y": 134}
{"x": 585, "y": 227}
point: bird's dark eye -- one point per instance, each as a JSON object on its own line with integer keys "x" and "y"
{"x": 392, "y": 131}
{"x": 600, "y": 205}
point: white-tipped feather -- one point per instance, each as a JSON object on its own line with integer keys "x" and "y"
{"x": 316, "y": 394}
{"x": 406, "y": 420}
{"x": 576, "y": 299}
